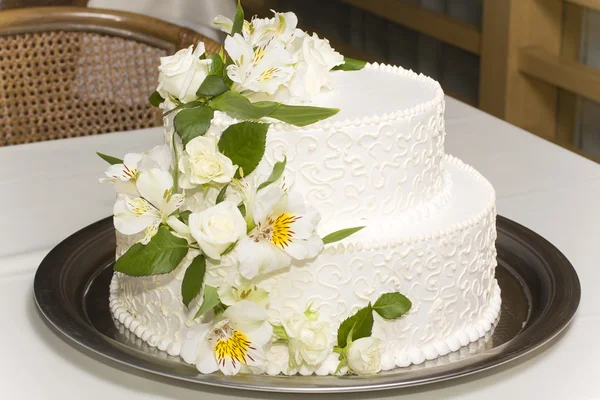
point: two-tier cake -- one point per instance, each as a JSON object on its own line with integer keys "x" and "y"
{"x": 273, "y": 234}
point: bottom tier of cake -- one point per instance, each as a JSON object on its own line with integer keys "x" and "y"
{"x": 443, "y": 264}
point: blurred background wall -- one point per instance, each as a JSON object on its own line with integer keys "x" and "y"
{"x": 533, "y": 63}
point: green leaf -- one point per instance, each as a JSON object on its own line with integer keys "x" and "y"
{"x": 193, "y": 122}
{"x": 244, "y": 144}
{"x": 193, "y": 279}
{"x": 242, "y": 208}
{"x": 280, "y": 332}
{"x": 110, "y": 159}
{"x": 350, "y": 64}
{"x": 360, "y": 325}
{"x": 184, "y": 216}
{"x": 302, "y": 115}
{"x": 155, "y": 99}
{"x": 392, "y": 305}
{"x": 219, "y": 309}
{"x": 238, "y": 106}
{"x": 238, "y": 20}
{"x": 222, "y": 193}
{"x": 278, "y": 169}
{"x": 341, "y": 234}
{"x": 210, "y": 300}
{"x": 180, "y": 106}
{"x": 161, "y": 255}
{"x": 216, "y": 66}
{"x": 212, "y": 85}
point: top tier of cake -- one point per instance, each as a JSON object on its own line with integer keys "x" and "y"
{"x": 380, "y": 157}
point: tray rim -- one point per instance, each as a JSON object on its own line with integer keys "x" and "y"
{"x": 82, "y": 333}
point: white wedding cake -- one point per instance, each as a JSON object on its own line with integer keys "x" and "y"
{"x": 351, "y": 243}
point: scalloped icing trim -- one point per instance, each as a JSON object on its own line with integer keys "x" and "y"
{"x": 402, "y": 358}
{"x": 470, "y": 334}
{"x": 348, "y": 245}
{"x": 223, "y": 119}
{"x": 146, "y": 333}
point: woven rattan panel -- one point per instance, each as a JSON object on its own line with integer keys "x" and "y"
{"x": 66, "y": 84}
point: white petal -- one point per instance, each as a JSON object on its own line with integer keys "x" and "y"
{"x": 159, "y": 157}
{"x": 180, "y": 228}
{"x": 128, "y": 223}
{"x": 250, "y": 257}
{"x": 305, "y": 226}
{"x": 116, "y": 171}
{"x": 131, "y": 160}
{"x": 265, "y": 202}
{"x": 246, "y": 315}
{"x": 260, "y": 258}
{"x": 173, "y": 204}
{"x": 153, "y": 184}
{"x": 191, "y": 345}
{"x": 238, "y": 48}
{"x": 207, "y": 363}
{"x": 261, "y": 335}
{"x": 297, "y": 249}
{"x": 127, "y": 188}
{"x": 229, "y": 367}
{"x": 314, "y": 246}
{"x": 224, "y": 23}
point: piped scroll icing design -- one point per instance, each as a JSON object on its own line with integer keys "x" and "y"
{"x": 449, "y": 275}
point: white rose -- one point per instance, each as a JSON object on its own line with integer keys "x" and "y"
{"x": 309, "y": 339}
{"x": 181, "y": 74}
{"x": 364, "y": 356}
{"x": 217, "y": 228}
{"x": 277, "y": 360}
{"x": 314, "y": 58}
{"x": 202, "y": 163}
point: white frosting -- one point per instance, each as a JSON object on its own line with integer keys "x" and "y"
{"x": 430, "y": 227}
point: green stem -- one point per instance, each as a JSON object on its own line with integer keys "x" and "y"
{"x": 175, "y": 167}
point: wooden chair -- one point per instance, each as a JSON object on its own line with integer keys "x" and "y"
{"x": 10, "y": 4}
{"x": 71, "y": 71}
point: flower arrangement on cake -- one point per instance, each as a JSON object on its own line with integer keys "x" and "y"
{"x": 194, "y": 207}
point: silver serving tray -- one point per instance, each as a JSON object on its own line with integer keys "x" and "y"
{"x": 540, "y": 294}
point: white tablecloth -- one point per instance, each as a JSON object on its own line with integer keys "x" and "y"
{"x": 49, "y": 190}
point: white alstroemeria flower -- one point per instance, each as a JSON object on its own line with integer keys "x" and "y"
{"x": 259, "y": 31}
{"x": 236, "y": 288}
{"x": 285, "y": 229}
{"x": 124, "y": 175}
{"x": 282, "y": 28}
{"x": 235, "y": 339}
{"x": 123, "y": 172}
{"x": 217, "y": 228}
{"x": 314, "y": 60}
{"x": 309, "y": 339}
{"x": 181, "y": 74}
{"x": 202, "y": 163}
{"x": 364, "y": 356}
{"x": 157, "y": 202}
{"x": 259, "y": 69}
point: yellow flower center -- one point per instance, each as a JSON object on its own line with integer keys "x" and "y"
{"x": 129, "y": 173}
{"x": 139, "y": 206}
{"x": 281, "y": 229}
{"x": 259, "y": 53}
{"x": 234, "y": 345}
{"x": 268, "y": 74}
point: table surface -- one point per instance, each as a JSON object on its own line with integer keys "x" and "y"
{"x": 50, "y": 190}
